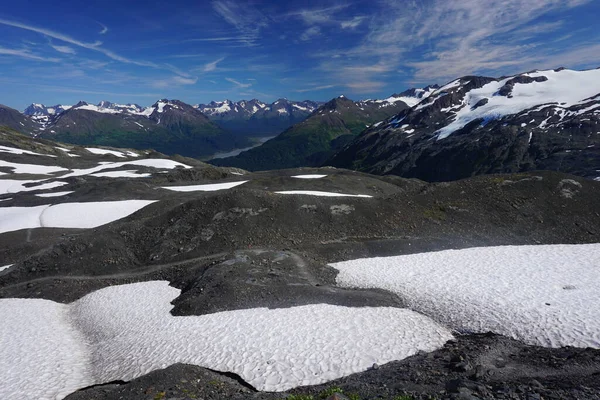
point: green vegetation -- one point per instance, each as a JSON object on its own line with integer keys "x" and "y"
{"x": 313, "y": 141}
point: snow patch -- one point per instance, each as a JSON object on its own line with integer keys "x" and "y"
{"x": 68, "y": 215}
{"x": 542, "y": 295}
{"x": 323, "y": 194}
{"x": 13, "y": 150}
{"x": 55, "y": 194}
{"x": 204, "y": 188}
{"x": 123, "y": 332}
{"x": 309, "y": 176}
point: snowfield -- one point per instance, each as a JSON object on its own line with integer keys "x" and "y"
{"x": 322, "y": 194}
{"x": 18, "y": 168}
{"x": 123, "y": 332}
{"x": 542, "y": 295}
{"x": 204, "y": 188}
{"x": 68, "y": 215}
{"x": 16, "y": 186}
{"x": 309, "y": 176}
{"x": 14, "y": 150}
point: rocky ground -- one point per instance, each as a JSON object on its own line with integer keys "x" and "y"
{"x": 250, "y": 247}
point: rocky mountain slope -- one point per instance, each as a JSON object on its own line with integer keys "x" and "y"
{"x": 168, "y": 126}
{"x": 479, "y": 125}
{"x": 82, "y": 226}
{"x": 255, "y": 118}
{"x": 312, "y": 141}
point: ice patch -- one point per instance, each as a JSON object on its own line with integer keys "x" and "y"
{"x": 31, "y": 168}
{"x": 204, "y": 188}
{"x": 6, "y": 267}
{"x": 14, "y": 150}
{"x": 123, "y": 332}
{"x": 15, "y": 186}
{"x": 105, "y": 151}
{"x": 120, "y": 174}
{"x": 516, "y": 291}
{"x": 68, "y": 215}
{"x": 323, "y": 194}
{"x": 55, "y": 194}
{"x": 309, "y": 176}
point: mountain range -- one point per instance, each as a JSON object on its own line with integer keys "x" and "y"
{"x": 327, "y": 129}
{"x": 255, "y": 118}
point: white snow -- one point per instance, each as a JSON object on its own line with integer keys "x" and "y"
{"x": 282, "y": 111}
{"x": 158, "y": 163}
{"x": 565, "y": 87}
{"x": 5, "y": 267}
{"x": 55, "y": 194}
{"x": 204, "y": 188}
{"x": 121, "y": 174}
{"x": 31, "y": 168}
{"x": 309, "y": 176}
{"x": 92, "y": 107}
{"x": 323, "y": 194}
{"x": 68, "y": 215}
{"x": 138, "y": 124}
{"x": 105, "y": 151}
{"x": 542, "y": 295}
{"x": 13, "y": 150}
{"x": 123, "y": 332}
{"x": 16, "y": 186}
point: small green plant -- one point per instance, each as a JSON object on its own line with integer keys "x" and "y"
{"x": 403, "y": 397}
{"x": 299, "y": 397}
{"x": 328, "y": 392}
{"x": 160, "y": 395}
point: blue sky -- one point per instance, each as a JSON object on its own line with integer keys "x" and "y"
{"x": 139, "y": 51}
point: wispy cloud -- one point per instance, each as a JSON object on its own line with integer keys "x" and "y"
{"x": 310, "y": 33}
{"x": 26, "y": 54}
{"x": 238, "y": 84}
{"x": 439, "y": 40}
{"x": 211, "y": 66}
{"x": 63, "y": 49}
{"x": 352, "y": 23}
{"x": 318, "y": 15}
{"x": 245, "y": 18}
{"x": 103, "y": 30}
{"x": 68, "y": 39}
{"x": 173, "y": 81}
{"x": 315, "y": 88}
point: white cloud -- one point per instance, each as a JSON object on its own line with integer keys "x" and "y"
{"x": 315, "y": 88}
{"x": 246, "y": 19}
{"x": 352, "y": 23}
{"x": 238, "y": 84}
{"x": 310, "y": 33}
{"x": 211, "y": 66}
{"x": 441, "y": 39}
{"x": 26, "y": 54}
{"x": 64, "y": 49}
{"x": 173, "y": 81}
{"x": 104, "y": 29}
{"x": 318, "y": 16}
{"x": 68, "y": 39}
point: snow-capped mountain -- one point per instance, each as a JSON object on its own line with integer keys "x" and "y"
{"x": 229, "y": 109}
{"x": 38, "y": 109}
{"x": 410, "y": 97}
{"x": 111, "y": 108}
{"x": 476, "y": 125}
{"x": 256, "y": 118}
{"x": 41, "y": 114}
{"x": 168, "y": 126}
